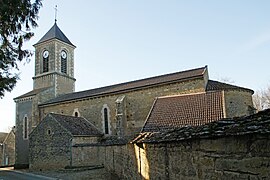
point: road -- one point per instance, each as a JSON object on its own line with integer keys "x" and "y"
{"x": 10, "y": 174}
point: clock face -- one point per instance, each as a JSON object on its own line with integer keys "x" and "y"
{"x": 45, "y": 54}
{"x": 63, "y": 54}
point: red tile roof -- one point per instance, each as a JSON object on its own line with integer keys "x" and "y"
{"x": 239, "y": 126}
{"x": 185, "y": 110}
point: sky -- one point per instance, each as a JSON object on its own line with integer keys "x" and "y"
{"x": 124, "y": 40}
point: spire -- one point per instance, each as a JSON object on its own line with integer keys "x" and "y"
{"x": 55, "y": 33}
{"x": 55, "y": 13}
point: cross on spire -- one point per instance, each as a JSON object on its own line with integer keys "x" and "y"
{"x": 55, "y": 13}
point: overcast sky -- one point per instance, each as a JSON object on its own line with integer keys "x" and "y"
{"x": 124, "y": 40}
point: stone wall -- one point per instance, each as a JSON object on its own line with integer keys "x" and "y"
{"x": 50, "y": 146}
{"x": 232, "y": 157}
{"x": 23, "y": 109}
{"x": 86, "y": 156}
{"x": 238, "y": 103}
{"x": 9, "y": 149}
{"x": 237, "y": 148}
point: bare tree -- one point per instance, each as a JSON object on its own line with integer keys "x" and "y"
{"x": 261, "y": 99}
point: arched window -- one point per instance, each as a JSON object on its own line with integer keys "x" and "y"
{"x": 76, "y": 112}
{"x": 106, "y": 119}
{"x": 25, "y": 128}
{"x": 64, "y": 62}
{"x": 106, "y": 123}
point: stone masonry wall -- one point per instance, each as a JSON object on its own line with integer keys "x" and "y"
{"x": 10, "y": 149}
{"x": 50, "y": 146}
{"x": 86, "y": 156}
{"x": 23, "y": 109}
{"x": 232, "y": 157}
{"x": 238, "y": 103}
{"x": 138, "y": 104}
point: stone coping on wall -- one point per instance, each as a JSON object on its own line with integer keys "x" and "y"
{"x": 255, "y": 124}
{"x": 106, "y": 141}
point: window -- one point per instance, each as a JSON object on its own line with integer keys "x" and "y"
{"x": 25, "y": 128}
{"x": 49, "y": 131}
{"x": 64, "y": 62}
{"x": 45, "y": 67}
{"x": 76, "y": 112}
{"x": 106, "y": 126}
{"x": 106, "y": 119}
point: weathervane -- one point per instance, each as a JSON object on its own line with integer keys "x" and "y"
{"x": 55, "y": 14}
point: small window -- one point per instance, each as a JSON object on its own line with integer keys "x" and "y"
{"x": 49, "y": 132}
{"x": 25, "y": 128}
{"x": 76, "y": 112}
{"x": 105, "y": 116}
{"x": 106, "y": 123}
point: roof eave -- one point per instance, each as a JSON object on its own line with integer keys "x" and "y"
{"x": 120, "y": 91}
{"x": 54, "y": 39}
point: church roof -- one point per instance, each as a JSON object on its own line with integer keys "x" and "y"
{"x": 31, "y": 93}
{"x": 132, "y": 85}
{"x": 55, "y": 33}
{"x": 77, "y": 126}
{"x": 184, "y": 110}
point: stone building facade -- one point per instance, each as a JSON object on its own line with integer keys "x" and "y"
{"x": 51, "y": 142}
{"x": 7, "y": 148}
{"x": 118, "y": 111}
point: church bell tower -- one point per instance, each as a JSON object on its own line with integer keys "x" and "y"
{"x": 54, "y": 75}
{"x": 54, "y": 62}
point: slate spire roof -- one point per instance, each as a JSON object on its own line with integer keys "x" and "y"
{"x": 55, "y": 33}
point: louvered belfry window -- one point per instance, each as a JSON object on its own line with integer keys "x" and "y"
{"x": 46, "y": 64}
{"x": 64, "y": 62}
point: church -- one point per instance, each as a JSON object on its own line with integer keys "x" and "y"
{"x": 52, "y": 115}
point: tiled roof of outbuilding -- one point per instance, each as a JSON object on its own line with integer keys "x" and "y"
{"x": 215, "y": 85}
{"x": 184, "y": 110}
{"x": 119, "y": 88}
{"x": 255, "y": 124}
{"x": 77, "y": 126}
{"x": 55, "y": 33}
